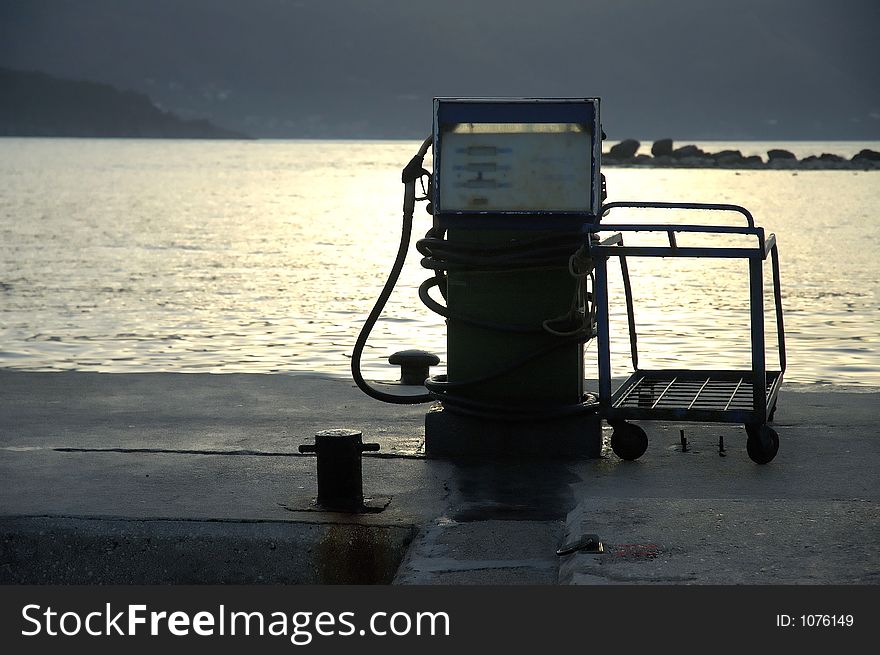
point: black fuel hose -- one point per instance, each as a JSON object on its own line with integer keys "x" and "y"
{"x": 413, "y": 171}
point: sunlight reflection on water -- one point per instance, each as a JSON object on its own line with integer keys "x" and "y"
{"x": 127, "y": 255}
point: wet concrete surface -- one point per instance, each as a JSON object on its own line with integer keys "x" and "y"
{"x": 176, "y": 471}
{"x": 94, "y": 550}
{"x": 727, "y": 541}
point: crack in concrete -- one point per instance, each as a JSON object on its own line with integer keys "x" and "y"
{"x": 195, "y": 451}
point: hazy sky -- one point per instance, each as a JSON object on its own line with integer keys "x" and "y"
{"x": 773, "y": 69}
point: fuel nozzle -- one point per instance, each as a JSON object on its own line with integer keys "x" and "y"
{"x": 414, "y": 170}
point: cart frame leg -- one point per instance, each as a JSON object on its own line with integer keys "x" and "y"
{"x": 759, "y": 364}
{"x": 603, "y": 336}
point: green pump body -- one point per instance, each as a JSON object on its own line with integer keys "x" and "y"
{"x": 527, "y": 297}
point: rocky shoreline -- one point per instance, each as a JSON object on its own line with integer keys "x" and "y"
{"x": 664, "y": 154}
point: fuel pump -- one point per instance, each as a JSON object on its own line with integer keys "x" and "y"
{"x": 515, "y": 189}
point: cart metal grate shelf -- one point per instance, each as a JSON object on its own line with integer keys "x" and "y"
{"x": 726, "y": 396}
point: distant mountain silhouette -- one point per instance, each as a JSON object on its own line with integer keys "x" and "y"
{"x": 36, "y": 104}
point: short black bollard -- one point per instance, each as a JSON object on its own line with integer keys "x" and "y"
{"x": 414, "y": 365}
{"x": 340, "y": 482}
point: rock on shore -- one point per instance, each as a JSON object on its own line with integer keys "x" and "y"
{"x": 665, "y": 155}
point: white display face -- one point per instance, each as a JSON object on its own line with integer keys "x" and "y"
{"x": 515, "y": 167}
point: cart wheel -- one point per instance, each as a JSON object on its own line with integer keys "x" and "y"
{"x": 628, "y": 441}
{"x": 763, "y": 443}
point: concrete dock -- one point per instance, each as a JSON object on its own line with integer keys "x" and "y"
{"x": 184, "y": 478}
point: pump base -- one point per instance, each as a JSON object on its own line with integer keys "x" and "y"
{"x": 448, "y": 434}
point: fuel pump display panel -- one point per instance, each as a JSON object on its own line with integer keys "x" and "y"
{"x": 516, "y": 156}
{"x": 516, "y": 167}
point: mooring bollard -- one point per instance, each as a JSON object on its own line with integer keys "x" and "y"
{"x": 414, "y": 365}
{"x": 340, "y": 481}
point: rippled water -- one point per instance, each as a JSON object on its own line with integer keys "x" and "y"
{"x": 128, "y": 255}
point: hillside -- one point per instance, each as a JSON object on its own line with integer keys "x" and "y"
{"x": 36, "y": 104}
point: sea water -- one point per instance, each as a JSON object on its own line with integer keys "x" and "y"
{"x": 265, "y": 256}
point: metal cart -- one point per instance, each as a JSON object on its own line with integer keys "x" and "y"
{"x": 722, "y": 396}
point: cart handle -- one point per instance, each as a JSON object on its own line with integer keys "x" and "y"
{"x": 680, "y": 205}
